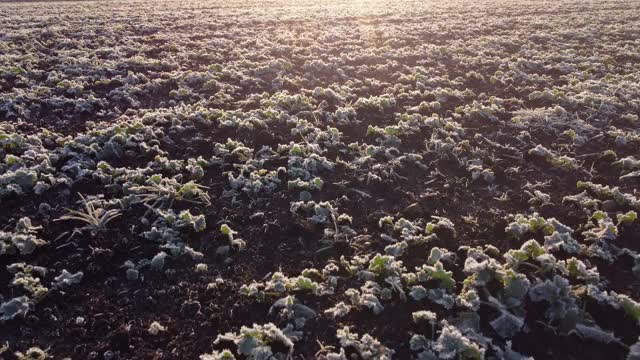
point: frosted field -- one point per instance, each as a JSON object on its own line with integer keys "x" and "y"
{"x": 319, "y": 180}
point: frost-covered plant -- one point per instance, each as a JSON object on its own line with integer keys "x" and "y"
{"x": 33, "y": 353}
{"x": 158, "y": 261}
{"x": 538, "y": 198}
{"x": 388, "y": 136}
{"x": 441, "y": 225}
{"x": 304, "y": 163}
{"x": 384, "y": 265}
{"x": 424, "y": 316}
{"x": 379, "y": 103}
{"x": 605, "y": 192}
{"x": 291, "y": 309}
{"x": 368, "y": 296}
{"x": 315, "y": 183}
{"x": 182, "y": 220}
{"x": 280, "y": 284}
{"x": 507, "y": 324}
{"x": 259, "y": 180}
{"x": 605, "y": 229}
{"x": 629, "y": 305}
{"x": 627, "y": 163}
{"x": 367, "y": 347}
{"x": 438, "y": 296}
{"x": 600, "y": 231}
{"x": 562, "y": 303}
{"x": 436, "y": 272}
{"x": 167, "y": 228}
{"x": 255, "y": 342}
{"x": 218, "y": 355}
{"x": 321, "y": 213}
{"x": 534, "y": 223}
{"x": 564, "y": 241}
{"x": 201, "y": 268}
{"x": 25, "y": 277}
{"x": 410, "y": 232}
{"x": 22, "y": 240}
{"x": 627, "y": 218}
{"x": 161, "y": 191}
{"x": 339, "y": 310}
{"x": 452, "y": 344}
{"x": 563, "y": 162}
{"x": 17, "y": 182}
{"x": 477, "y": 170}
{"x": 530, "y": 250}
{"x": 18, "y": 306}
{"x": 593, "y": 332}
{"x": 230, "y": 234}
{"x": 634, "y": 351}
{"x": 155, "y": 328}
{"x": 66, "y": 279}
{"x": 578, "y": 269}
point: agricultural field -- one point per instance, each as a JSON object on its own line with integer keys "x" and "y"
{"x": 320, "y": 180}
